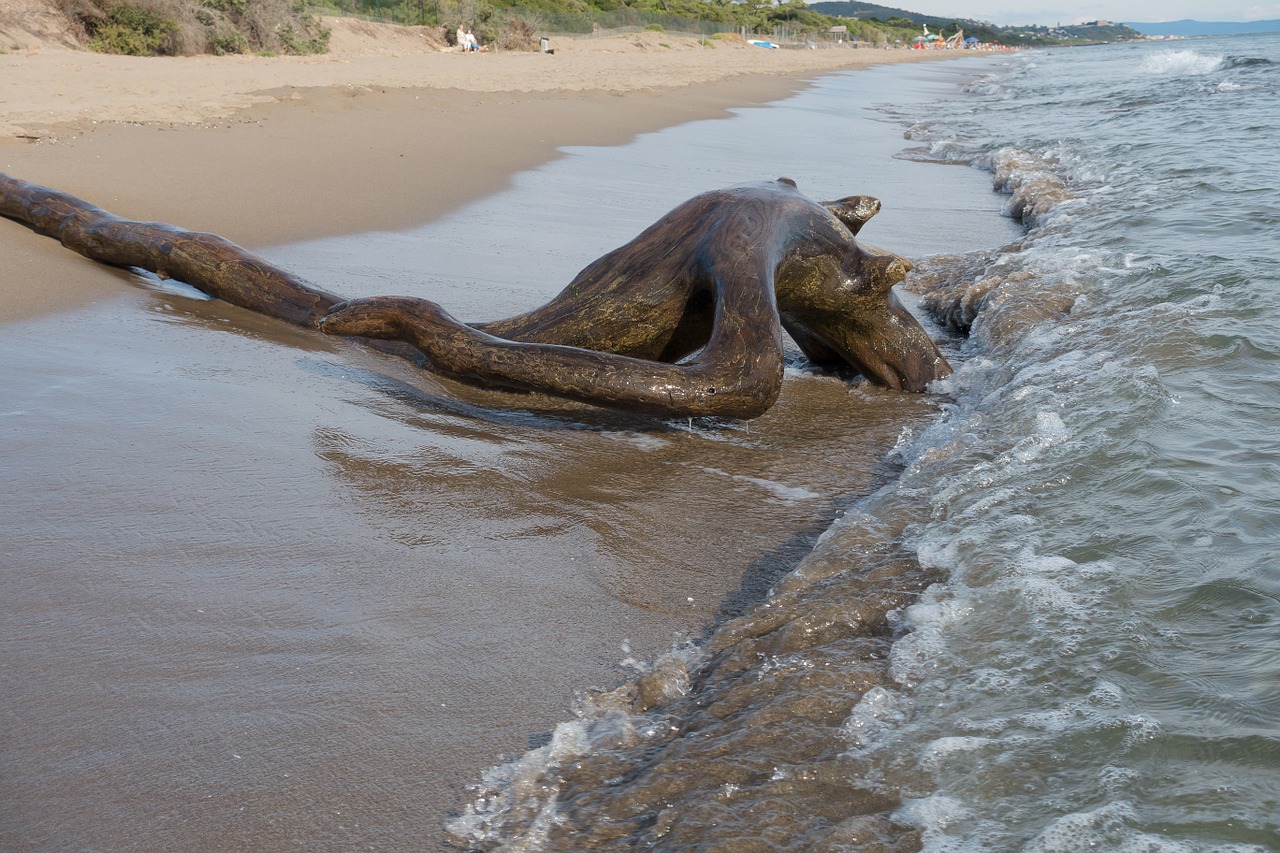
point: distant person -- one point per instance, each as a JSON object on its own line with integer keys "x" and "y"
{"x": 471, "y": 43}
{"x": 461, "y": 39}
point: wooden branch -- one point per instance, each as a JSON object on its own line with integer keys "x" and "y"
{"x": 207, "y": 262}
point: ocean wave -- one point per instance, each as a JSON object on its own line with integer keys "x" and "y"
{"x": 1182, "y": 62}
{"x": 782, "y": 731}
{"x": 1192, "y": 62}
{"x": 745, "y": 742}
{"x": 1245, "y": 62}
{"x": 1087, "y": 485}
{"x": 1035, "y": 187}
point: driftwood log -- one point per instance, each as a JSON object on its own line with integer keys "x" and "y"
{"x": 685, "y": 320}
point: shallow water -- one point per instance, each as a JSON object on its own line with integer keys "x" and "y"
{"x": 265, "y": 590}
{"x": 1094, "y": 659}
{"x": 1101, "y": 666}
{"x": 268, "y": 585}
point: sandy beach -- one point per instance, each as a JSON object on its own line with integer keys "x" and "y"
{"x": 384, "y": 131}
{"x": 267, "y": 591}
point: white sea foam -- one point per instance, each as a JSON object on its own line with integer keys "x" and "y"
{"x": 877, "y": 713}
{"x": 954, "y": 747}
{"x": 1180, "y": 62}
{"x": 642, "y": 440}
{"x": 1115, "y": 826}
{"x": 523, "y": 784}
{"x": 935, "y": 813}
{"x": 927, "y": 648}
{"x": 170, "y": 285}
{"x": 779, "y": 492}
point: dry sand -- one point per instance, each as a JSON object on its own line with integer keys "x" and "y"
{"x": 47, "y": 85}
{"x": 386, "y": 131}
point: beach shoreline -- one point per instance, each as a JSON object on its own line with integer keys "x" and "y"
{"x": 279, "y": 588}
{"x": 269, "y": 150}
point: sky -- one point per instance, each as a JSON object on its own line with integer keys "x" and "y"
{"x": 1057, "y": 12}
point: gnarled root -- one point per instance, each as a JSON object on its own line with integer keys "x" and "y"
{"x": 685, "y": 320}
{"x": 742, "y": 384}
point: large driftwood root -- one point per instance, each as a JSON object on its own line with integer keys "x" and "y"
{"x": 684, "y": 320}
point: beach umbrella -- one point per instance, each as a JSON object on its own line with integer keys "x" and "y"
{"x": 971, "y": 40}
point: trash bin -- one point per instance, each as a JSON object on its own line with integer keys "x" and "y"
{"x": 544, "y": 44}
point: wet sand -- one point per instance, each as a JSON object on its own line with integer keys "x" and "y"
{"x": 265, "y": 590}
{"x": 384, "y": 132}
{"x": 330, "y": 163}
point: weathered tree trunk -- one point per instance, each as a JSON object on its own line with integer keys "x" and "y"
{"x": 685, "y": 320}
{"x": 207, "y": 262}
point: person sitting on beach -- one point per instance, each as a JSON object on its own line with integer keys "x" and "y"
{"x": 461, "y": 40}
{"x": 470, "y": 42}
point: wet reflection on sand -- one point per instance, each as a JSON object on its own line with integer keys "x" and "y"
{"x": 266, "y": 590}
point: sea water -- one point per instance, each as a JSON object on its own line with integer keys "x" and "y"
{"x": 1058, "y": 628}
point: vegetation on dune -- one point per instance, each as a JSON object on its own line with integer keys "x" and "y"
{"x": 184, "y": 27}
{"x": 491, "y": 21}
{"x": 877, "y": 25}
{"x": 132, "y": 31}
{"x": 171, "y": 27}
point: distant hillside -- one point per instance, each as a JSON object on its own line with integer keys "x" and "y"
{"x": 850, "y": 9}
{"x": 1023, "y": 36}
{"x": 1193, "y": 28}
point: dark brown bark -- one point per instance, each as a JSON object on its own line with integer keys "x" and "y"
{"x": 216, "y": 266}
{"x": 685, "y": 320}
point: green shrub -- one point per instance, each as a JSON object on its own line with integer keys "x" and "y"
{"x": 656, "y": 28}
{"x": 313, "y": 37}
{"x": 223, "y": 40}
{"x": 299, "y": 44}
{"x": 132, "y": 31}
{"x": 231, "y": 7}
{"x": 185, "y": 27}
